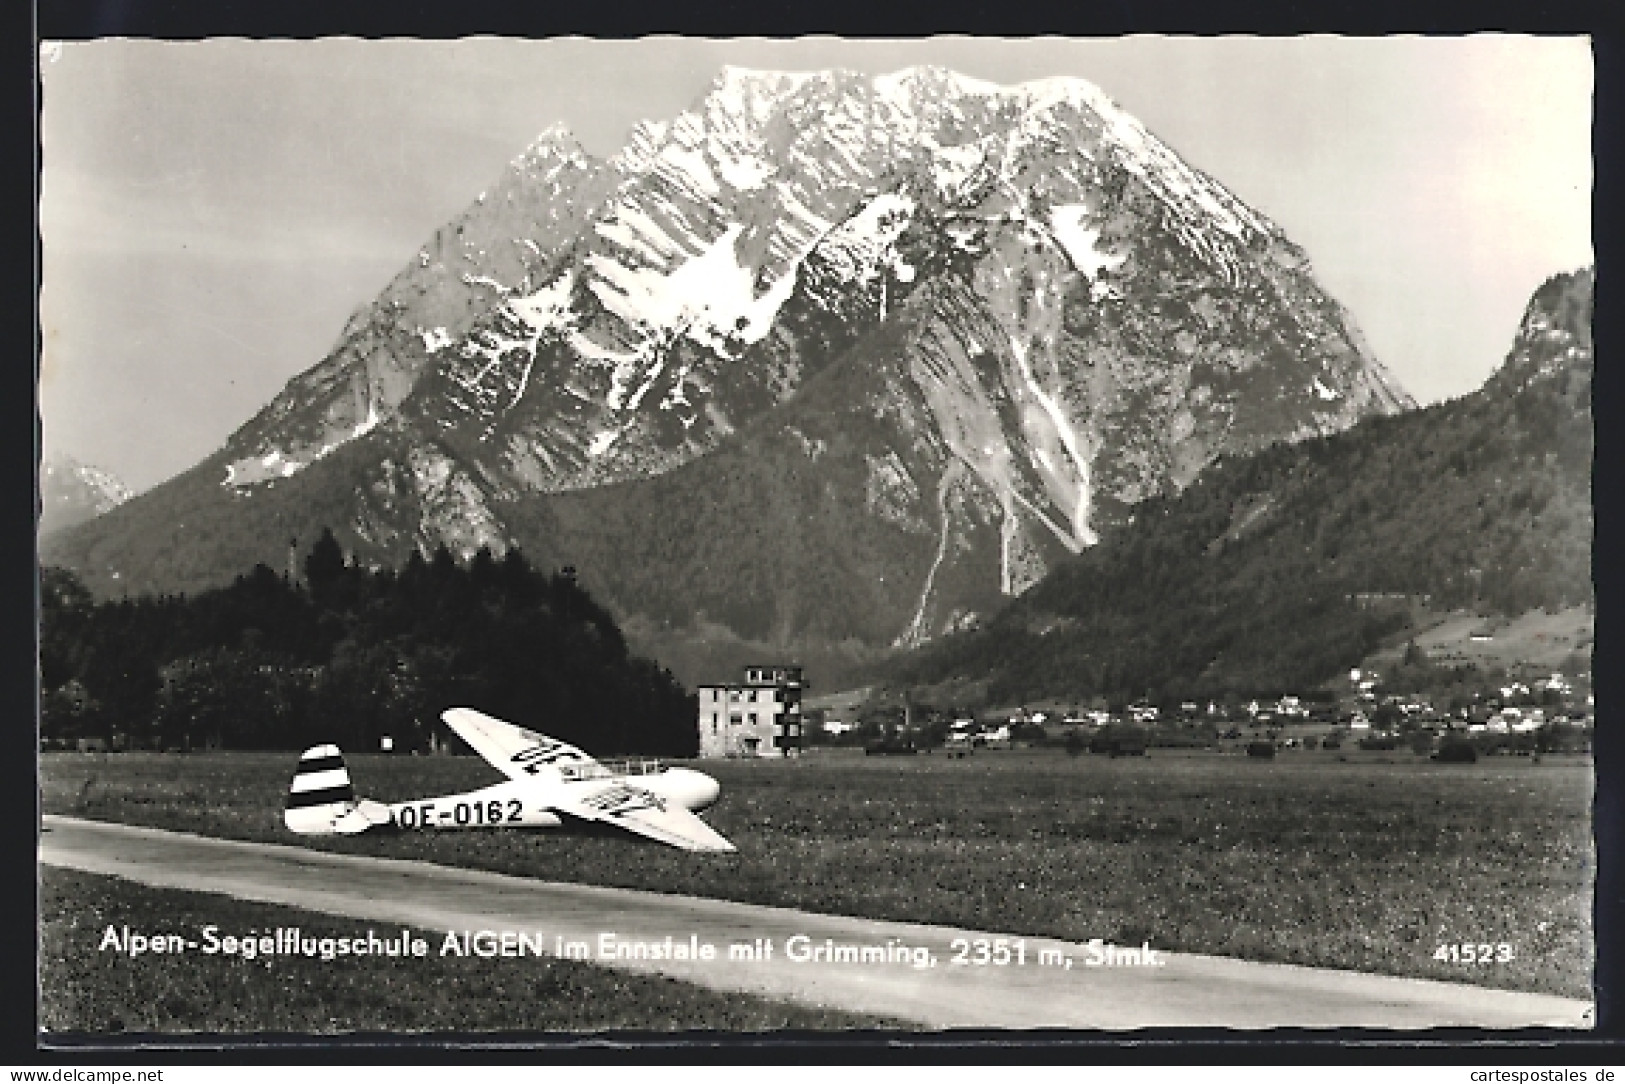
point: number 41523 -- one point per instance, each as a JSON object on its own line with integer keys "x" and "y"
{"x": 1469, "y": 953}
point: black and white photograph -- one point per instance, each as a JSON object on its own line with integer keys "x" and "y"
{"x": 546, "y": 537}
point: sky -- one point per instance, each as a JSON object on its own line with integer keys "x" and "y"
{"x": 212, "y": 212}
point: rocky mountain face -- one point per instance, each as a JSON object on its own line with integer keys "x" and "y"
{"x": 825, "y": 358}
{"x": 72, "y": 493}
{"x": 1286, "y": 567}
{"x": 1553, "y": 345}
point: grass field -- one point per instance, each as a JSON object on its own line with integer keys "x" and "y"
{"x": 1537, "y": 638}
{"x": 87, "y": 990}
{"x": 1367, "y": 862}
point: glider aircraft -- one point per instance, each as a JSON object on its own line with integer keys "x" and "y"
{"x": 550, "y": 785}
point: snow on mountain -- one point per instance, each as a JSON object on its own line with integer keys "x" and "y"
{"x": 499, "y": 246}
{"x": 1038, "y": 313}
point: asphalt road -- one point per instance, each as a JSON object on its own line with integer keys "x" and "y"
{"x": 1055, "y": 987}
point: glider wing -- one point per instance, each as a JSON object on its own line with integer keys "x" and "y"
{"x": 514, "y": 751}
{"x": 641, "y": 812}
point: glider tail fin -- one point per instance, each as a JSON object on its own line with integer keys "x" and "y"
{"x": 321, "y": 792}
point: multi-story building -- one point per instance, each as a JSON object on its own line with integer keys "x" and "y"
{"x": 761, "y": 717}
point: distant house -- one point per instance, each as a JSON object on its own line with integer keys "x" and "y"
{"x": 760, "y": 717}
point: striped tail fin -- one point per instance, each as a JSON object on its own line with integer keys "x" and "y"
{"x": 321, "y": 792}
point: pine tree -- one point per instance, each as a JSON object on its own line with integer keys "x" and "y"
{"x": 324, "y": 567}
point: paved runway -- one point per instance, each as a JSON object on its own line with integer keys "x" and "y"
{"x": 1064, "y": 990}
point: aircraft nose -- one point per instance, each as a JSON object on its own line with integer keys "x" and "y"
{"x": 699, "y": 790}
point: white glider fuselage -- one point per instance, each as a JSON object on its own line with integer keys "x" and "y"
{"x": 550, "y": 784}
{"x": 531, "y": 803}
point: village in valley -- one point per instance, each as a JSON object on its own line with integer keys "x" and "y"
{"x": 1469, "y": 696}
{"x": 1552, "y": 713}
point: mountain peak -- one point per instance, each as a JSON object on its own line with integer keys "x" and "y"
{"x": 923, "y": 81}
{"x": 1554, "y": 335}
{"x": 959, "y": 328}
{"x": 72, "y": 492}
{"x": 909, "y": 87}
{"x": 934, "y": 78}
{"x": 554, "y": 141}
{"x": 733, "y": 75}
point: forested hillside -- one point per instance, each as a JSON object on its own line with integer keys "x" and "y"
{"x": 351, "y": 655}
{"x": 1250, "y": 577}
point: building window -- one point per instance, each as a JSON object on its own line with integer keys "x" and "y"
{"x": 751, "y": 696}
{"x": 753, "y": 718}
{"x": 733, "y": 720}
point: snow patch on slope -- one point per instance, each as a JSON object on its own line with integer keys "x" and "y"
{"x": 1080, "y": 241}
{"x": 710, "y": 298}
{"x": 279, "y": 464}
{"x": 863, "y": 246}
{"x": 548, "y": 307}
{"x": 953, "y": 168}
{"x": 522, "y": 323}
{"x": 744, "y": 174}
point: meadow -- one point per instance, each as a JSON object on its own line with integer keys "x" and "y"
{"x": 85, "y": 990}
{"x": 1365, "y": 862}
